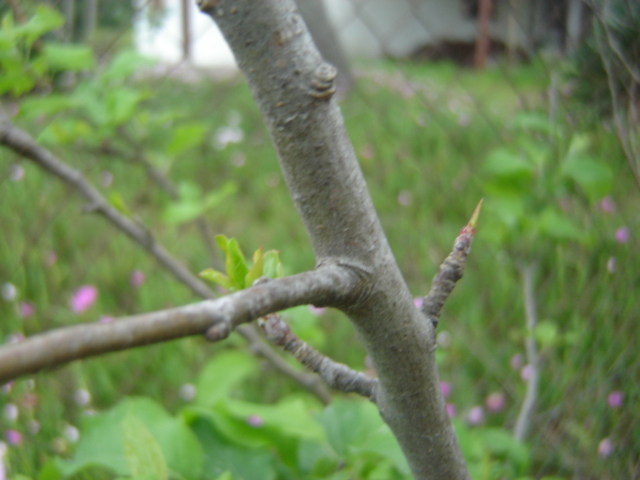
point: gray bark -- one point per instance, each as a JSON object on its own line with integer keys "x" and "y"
{"x": 293, "y": 87}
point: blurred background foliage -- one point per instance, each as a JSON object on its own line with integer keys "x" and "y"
{"x": 536, "y": 140}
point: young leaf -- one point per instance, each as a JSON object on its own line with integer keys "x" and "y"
{"x": 45, "y": 20}
{"x": 62, "y": 57}
{"x": 186, "y": 137}
{"x": 236, "y": 264}
{"x": 214, "y": 276}
{"x": 217, "y": 196}
{"x": 272, "y": 265}
{"x": 222, "y": 242}
{"x": 256, "y": 269}
{"x": 116, "y": 200}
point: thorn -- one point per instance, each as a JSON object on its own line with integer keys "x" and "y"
{"x": 476, "y": 213}
{"x": 470, "y": 228}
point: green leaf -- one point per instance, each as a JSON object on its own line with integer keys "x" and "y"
{"x": 189, "y": 191}
{"x": 65, "y": 57}
{"x": 225, "y": 476}
{"x": 222, "y": 374}
{"x": 222, "y": 242}
{"x": 557, "y": 226}
{"x": 546, "y": 333}
{"x": 256, "y": 270}
{"x": 122, "y": 103}
{"x": 33, "y": 107}
{"x": 182, "y": 212}
{"x": 102, "y": 440}
{"x": 125, "y": 64}
{"x": 236, "y": 264}
{"x": 218, "y": 195}
{"x": 220, "y": 455}
{"x": 216, "y": 277}
{"x": 306, "y": 325}
{"x": 116, "y": 200}
{"x": 272, "y": 265}
{"x": 142, "y": 451}
{"x": 384, "y": 443}
{"x": 349, "y": 423}
{"x": 528, "y": 120}
{"x": 504, "y": 164}
{"x": 44, "y": 20}
{"x": 594, "y": 178}
{"x": 186, "y": 137}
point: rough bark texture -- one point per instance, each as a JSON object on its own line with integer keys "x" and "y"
{"x": 293, "y": 87}
{"x": 219, "y": 317}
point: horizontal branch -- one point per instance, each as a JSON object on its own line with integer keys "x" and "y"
{"x": 328, "y": 285}
{"x": 22, "y": 143}
{"x": 336, "y": 375}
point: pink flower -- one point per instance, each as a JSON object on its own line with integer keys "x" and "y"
{"x": 495, "y": 402}
{"x": 475, "y": 415}
{"x": 16, "y": 337}
{"x": 255, "y": 421}
{"x": 16, "y": 173}
{"x": 14, "y": 437}
{"x": 623, "y": 235}
{"x": 26, "y": 309}
{"x": 605, "y": 448}
{"x": 187, "y": 392}
{"x": 405, "y": 198}
{"x": 418, "y": 301}
{"x": 451, "y": 409}
{"x": 106, "y": 178}
{"x": 137, "y": 278}
{"x": 615, "y": 399}
{"x": 317, "y": 311}
{"x": 367, "y": 151}
{"x": 83, "y": 298}
{"x": 51, "y": 258}
{"x": 516, "y": 361}
{"x": 526, "y": 372}
{"x": 105, "y": 319}
{"x": 445, "y": 388}
{"x": 607, "y": 205}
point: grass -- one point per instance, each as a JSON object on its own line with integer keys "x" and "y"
{"x": 422, "y": 134}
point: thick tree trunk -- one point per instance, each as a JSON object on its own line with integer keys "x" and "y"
{"x": 293, "y": 87}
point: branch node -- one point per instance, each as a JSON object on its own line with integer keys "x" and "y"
{"x": 217, "y": 332}
{"x": 323, "y": 81}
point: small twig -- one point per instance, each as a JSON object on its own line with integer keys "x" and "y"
{"x": 450, "y": 271}
{"x": 336, "y": 375}
{"x": 533, "y": 360}
{"x": 23, "y": 144}
{"x": 326, "y": 285}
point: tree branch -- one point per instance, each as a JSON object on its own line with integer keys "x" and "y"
{"x": 331, "y": 285}
{"x": 336, "y": 375}
{"x": 450, "y": 271}
{"x": 293, "y": 88}
{"x": 22, "y": 143}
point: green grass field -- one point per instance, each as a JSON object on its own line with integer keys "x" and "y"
{"x": 425, "y": 136}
